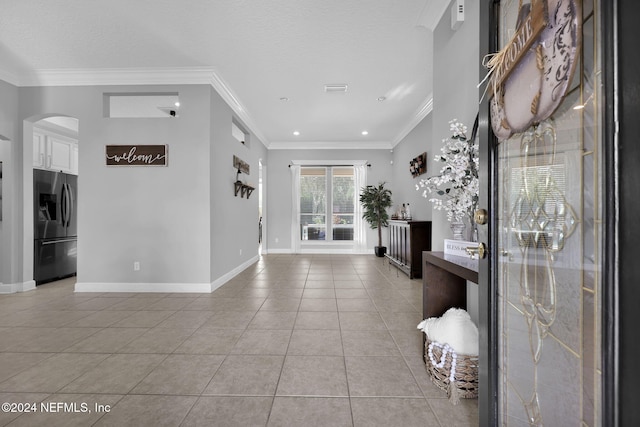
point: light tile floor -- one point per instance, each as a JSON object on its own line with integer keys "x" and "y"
{"x": 295, "y": 340}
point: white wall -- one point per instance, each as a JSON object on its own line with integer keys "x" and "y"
{"x": 279, "y": 188}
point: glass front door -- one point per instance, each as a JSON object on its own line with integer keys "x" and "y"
{"x": 549, "y": 233}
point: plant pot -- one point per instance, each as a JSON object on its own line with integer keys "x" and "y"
{"x": 380, "y": 250}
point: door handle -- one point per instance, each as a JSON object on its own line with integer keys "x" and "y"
{"x": 70, "y": 211}
{"x": 63, "y": 204}
{"x": 480, "y": 250}
{"x": 68, "y": 202}
{"x": 481, "y": 216}
{"x": 66, "y": 205}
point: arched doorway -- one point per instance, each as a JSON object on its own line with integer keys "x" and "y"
{"x": 50, "y": 191}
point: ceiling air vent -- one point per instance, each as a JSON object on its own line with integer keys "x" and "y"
{"x": 340, "y": 88}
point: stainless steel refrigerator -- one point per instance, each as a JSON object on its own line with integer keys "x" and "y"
{"x": 55, "y": 204}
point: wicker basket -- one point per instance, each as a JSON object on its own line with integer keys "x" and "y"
{"x": 465, "y": 384}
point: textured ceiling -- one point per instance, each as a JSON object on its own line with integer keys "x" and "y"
{"x": 262, "y": 50}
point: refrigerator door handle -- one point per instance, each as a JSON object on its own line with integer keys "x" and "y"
{"x": 65, "y": 205}
{"x": 70, "y": 211}
{"x": 68, "y": 204}
{"x": 62, "y": 204}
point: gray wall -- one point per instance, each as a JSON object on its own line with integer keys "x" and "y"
{"x": 8, "y": 133}
{"x": 157, "y": 216}
{"x": 415, "y": 143}
{"x": 234, "y": 222}
{"x": 455, "y": 96}
{"x": 279, "y": 188}
{"x": 166, "y": 218}
{"x": 183, "y": 223}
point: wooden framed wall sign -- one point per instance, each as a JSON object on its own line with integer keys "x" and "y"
{"x": 136, "y": 155}
{"x": 241, "y": 165}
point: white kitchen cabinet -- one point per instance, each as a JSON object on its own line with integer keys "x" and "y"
{"x": 55, "y": 152}
{"x": 60, "y": 154}
{"x": 39, "y": 150}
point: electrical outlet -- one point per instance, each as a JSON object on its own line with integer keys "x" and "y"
{"x": 136, "y": 266}
{"x": 241, "y": 252}
{"x": 277, "y": 240}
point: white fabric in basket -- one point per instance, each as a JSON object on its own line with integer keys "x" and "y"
{"x": 455, "y": 328}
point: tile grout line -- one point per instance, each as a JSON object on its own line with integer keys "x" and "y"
{"x": 284, "y": 359}
{"x": 280, "y": 275}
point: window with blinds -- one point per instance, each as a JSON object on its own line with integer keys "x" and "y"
{"x": 537, "y": 213}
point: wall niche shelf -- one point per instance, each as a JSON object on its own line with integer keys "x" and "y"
{"x": 243, "y": 189}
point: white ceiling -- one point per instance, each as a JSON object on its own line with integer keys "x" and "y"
{"x": 253, "y": 51}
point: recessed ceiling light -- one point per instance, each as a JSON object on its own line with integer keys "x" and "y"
{"x": 381, "y": 98}
{"x": 284, "y": 99}
{"x": 364, "y": 132}
{"x": 177, "y": 104}
{"x": 296, "y": 133}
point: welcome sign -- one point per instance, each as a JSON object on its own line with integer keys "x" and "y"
{"x": 531, "y": 75}
{"x": 136, "y": 155}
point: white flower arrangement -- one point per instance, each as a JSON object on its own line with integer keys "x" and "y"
{"x": 455, "y": 189}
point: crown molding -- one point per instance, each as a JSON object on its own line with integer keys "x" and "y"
{"x": 197, "y": 75}
{"x": 423, "y": 111}
{"x": 330, "y": 145}
{"x": 9, "y": 77}
{"x": 117, "y": 76}
{"x": 231, "y": 99}
{"x": 138, "y": 76}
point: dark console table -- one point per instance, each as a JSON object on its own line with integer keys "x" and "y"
{"x": 407, "y": 241}
{"x": 444, "y": 282}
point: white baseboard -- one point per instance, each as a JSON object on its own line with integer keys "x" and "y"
{"x": 279, "y": 251}
{"x": 144, "y": 287}
{"x": 326, "y": 251}
{"x": 233, "y": 273}
{"x": 165, "y": 287}
{"x": 322, "y": 251}
{"x": 12, "y": 288}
